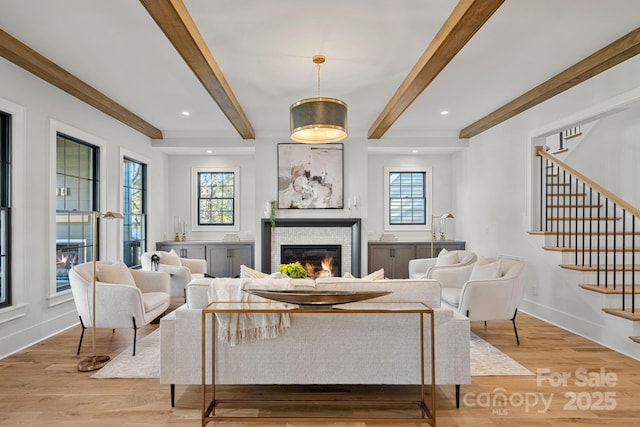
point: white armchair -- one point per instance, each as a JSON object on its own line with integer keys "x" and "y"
{"x": 492, "y": 292}
{"x": 125, "y": 298}
{"x": 181, "y": 270}
{"x": 450, "y": 268}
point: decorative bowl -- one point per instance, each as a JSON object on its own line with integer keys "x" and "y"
{"x": 316, "y": 299}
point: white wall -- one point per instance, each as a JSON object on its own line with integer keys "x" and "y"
{"x": 257, "y": 161}
{"x": 492, "y": 198}
{"x": 37, "y": 312}
{"x": 441, "y": 186}
{"x": 609, "y": 152}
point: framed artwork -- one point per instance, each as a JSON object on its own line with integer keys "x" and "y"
{"x": 310, "y": 176}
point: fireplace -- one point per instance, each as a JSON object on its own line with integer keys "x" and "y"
{"x": 318, "y": 260}
{"x": 342, "y": 232}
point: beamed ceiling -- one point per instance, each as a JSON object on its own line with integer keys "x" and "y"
{"x": 237, "y": 65}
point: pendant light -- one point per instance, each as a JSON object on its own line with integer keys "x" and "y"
{"x": 318, "y": 120}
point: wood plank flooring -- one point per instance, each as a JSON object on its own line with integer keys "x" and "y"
{"x": 40, "y": 386}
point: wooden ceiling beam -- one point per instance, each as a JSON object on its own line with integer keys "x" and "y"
{"x": 23, "y": 56}
{"x": 175, "y": 21}
{"x": 465, "y": 20}
{"x": 605, "y": 58}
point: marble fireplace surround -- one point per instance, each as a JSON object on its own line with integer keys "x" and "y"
{"x": 343, "y": 231}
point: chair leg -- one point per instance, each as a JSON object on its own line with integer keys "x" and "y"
{"x": 514, "y": 326}
{"x": 173, "y": 395}
{"x": 135, "y": 332}
{"x": 458, "y": 396}
{"x": 81, "y": 335}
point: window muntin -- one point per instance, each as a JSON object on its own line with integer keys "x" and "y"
{"x": 407, "y": 198}
{"x": 407, "y": 204}
{"x": 77, "y": 186}
{"x": 216, "y": 198}
{"x": 5, "y": 209}
{"x": 134, "y": 211}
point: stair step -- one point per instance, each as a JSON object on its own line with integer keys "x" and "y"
{"x": 587, "y": 233}
{"x": 580, "y": 218}
{"x": 566, "y": 194}
{"x": 625, "y": 314}
{"x": 609, "y": 289}
{"x": 618, "y": 268}
{"x": 558, "y": 184}
{"x": 593, "y": 249}
{"x": 572, "y": 206}
{"x": 635, "y": 339}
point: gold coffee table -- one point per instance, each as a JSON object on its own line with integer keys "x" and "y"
{"x": 209, "y": 406}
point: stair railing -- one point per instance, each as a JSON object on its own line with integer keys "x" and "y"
{"x": 562, "y": 215}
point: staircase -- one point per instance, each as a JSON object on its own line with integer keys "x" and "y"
{"x": 595, "y": 231}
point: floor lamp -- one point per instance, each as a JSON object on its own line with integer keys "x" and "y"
{"x": 433, "y": 231}
{"x": 95, "y": 362}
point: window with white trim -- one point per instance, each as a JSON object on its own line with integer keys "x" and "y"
{"x": 134, "y": 212}
{"x": 216, "y": 199}
{"x": 5, "y": 209}
{"x": 77, "y": 186}
{"x": 407, "y": 198}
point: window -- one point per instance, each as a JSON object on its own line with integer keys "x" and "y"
{"x": 134, "y": 210}
{"x": 5, "y": 209}
{"x": 406, "y": 201}
{"x": 216, "y": 199}
{"x": 77, "y": 186}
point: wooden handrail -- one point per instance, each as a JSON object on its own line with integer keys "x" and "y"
{"x": 540, "y": 151}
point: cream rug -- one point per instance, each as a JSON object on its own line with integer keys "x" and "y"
{"x": 145, "y": 364}
{"x": 486, "y": 360}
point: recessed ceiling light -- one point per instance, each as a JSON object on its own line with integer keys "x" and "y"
{"x": 444, "y": 112}
{"x": 185, "y": 113}
{"x": 414, "y": 151}
{"x": 209, "y": 151}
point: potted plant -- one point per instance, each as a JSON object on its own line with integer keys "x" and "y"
{"x": 294, "y": 270}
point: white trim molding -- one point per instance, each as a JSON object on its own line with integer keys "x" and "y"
{"x": 194, "y": 199}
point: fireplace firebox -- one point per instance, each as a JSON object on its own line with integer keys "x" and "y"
{"x": 318, "y": 260}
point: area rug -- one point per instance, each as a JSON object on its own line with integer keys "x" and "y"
{"x": 145, "y": 364}
{"x": 486, "y": 360}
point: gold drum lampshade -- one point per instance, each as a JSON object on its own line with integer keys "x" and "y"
{"x": 318, "y": 120}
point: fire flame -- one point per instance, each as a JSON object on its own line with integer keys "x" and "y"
{"x": 325, "y": 270}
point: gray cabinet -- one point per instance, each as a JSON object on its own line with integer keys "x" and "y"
{"x": 394, "y": 256}
{"x": 184, "y": 249}
{"x": 223, "y": 258}
{"x": 423, "y": 250}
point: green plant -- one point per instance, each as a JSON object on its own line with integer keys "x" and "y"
{"x": 272, "y": 213}
{"x": 294, "y": 270}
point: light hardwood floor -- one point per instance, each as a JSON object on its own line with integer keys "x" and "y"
{"x": 41, "y": 386}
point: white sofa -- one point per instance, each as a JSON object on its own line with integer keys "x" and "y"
{"x": 331, "y": 349}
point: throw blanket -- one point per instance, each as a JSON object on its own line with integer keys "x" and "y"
{"x": 238, "y": 328}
